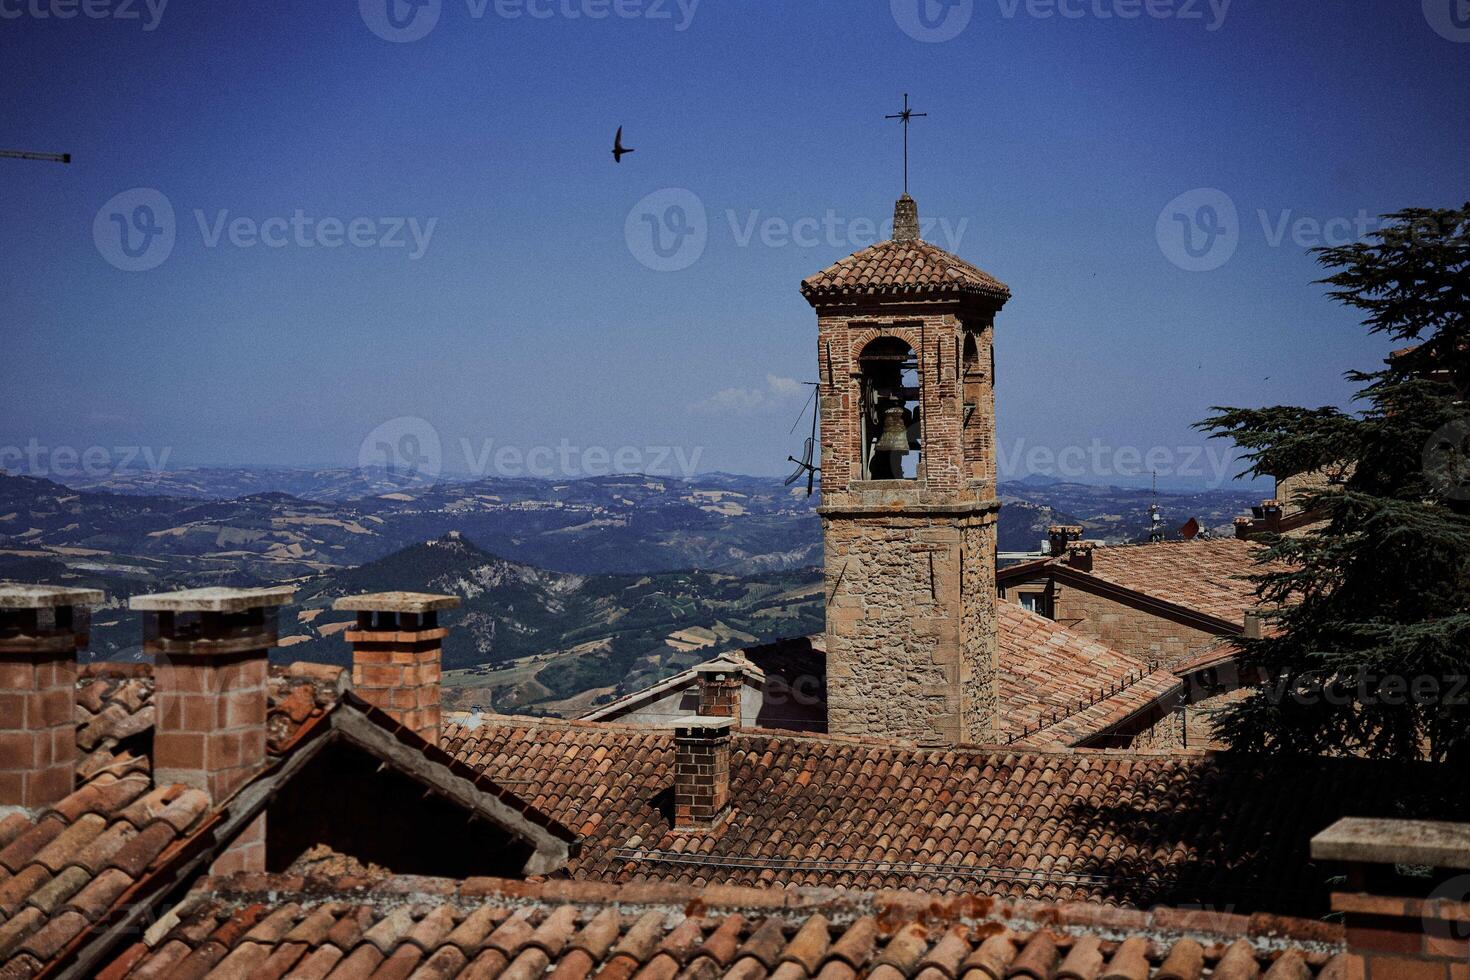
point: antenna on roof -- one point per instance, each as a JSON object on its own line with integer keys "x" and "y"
{"x": 809, "y": 450}
{"x": 1155, "y": 514}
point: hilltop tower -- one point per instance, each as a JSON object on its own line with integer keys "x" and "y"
{"x": 908, "y": 505}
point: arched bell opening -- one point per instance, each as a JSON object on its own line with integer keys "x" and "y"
{"x": 892, "y": 430}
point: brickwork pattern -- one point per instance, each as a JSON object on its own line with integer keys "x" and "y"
{"x": 910, "y": 565}
{"x": 1126, "y": 629}
{"x": 701, "y": 778}
{"x": 38, "y": 750}
{"x": 401, "y": 673}
{"x": 211, "y": 711}
{"x": 720, "y": 698}
{"x": 958, "y": 455}
{"x": 1399, "y": 938}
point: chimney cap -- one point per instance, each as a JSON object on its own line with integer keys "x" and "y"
{"x": 214, "y": 600}
{"x": 1360, "y": 840}
{"x": 16, "y": 595}
{"x": 396, "y": 602}
{"x": 708, "y": 722}
{"x": 728, "y": 665}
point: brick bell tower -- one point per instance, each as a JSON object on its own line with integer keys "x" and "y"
{"x": 908, "y": 505}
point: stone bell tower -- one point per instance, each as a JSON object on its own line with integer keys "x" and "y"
{"x": 908, "y": 489}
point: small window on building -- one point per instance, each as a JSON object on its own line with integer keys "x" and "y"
{"x": 1035, "y": 602}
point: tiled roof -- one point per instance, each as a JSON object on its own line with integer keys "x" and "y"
{"x": 1124, "y": 828}
{"x": 901, "y": 268}
{"x": 1208, "y": 576}
{"x": 115, "y": 706}
{"x": 1058, "y": 686}
{"x": 67, "y": 869}
{"x": 266, "y": 927}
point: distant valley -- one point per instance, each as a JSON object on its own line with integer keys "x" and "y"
{"x": 572, "y": 592}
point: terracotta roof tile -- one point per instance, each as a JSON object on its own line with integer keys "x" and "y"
{"x": 1058, "y": 687}
{"x": 1208, "y": 576}
{"x": 1128, "y": 828}
{"x": 228, "y": 924}
{"x": 903, "y": 268}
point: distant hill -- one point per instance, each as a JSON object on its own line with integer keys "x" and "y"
{"x": 548, "y": 636}
{"x": 572, "y": 589}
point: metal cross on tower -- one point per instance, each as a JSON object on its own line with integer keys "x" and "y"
{"x": 906, "y": 117}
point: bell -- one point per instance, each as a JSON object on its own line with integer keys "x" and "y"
{"x": 894, "y": 438}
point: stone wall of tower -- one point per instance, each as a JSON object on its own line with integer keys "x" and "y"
{"x": 910, "y": 642}
{"x": 910, "y": 565}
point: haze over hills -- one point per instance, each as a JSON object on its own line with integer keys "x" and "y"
{"x": 571, "y": 590}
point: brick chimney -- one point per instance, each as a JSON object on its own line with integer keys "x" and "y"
{"x": 1079, "y": 555}
{"x": 397, "y": 654}
{"x": 701, "y": 772}
{"x": 41, "y": 629}
{"x": 210, "y": 650}
{"x": 721, "y": 687}
{"x": 1406, "y": 904}
{"x": 1060, "y": 535}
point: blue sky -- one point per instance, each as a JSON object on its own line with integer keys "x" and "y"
{"x": 1060, "y": 144}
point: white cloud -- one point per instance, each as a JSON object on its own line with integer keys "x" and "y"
{"x": 777, "y": 394}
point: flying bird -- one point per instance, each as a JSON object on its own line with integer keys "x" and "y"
{"x": 618, "y": 148}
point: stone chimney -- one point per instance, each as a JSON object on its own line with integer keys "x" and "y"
{"x": 906, "y": 219}
{"x": 1251, "y": 627}
{"x": 397, "y": 654}
{"x": 210, "y": 654}
{"x": 1058, "y": 536}
{"x": 721, "y": 689}
{"x": 1268, "y": 514}
{"x": 1079, "y": 555}
{"x": 701, "y": 772}
{"x": 41, "y": 629}
{"x": 1406, "y": 904}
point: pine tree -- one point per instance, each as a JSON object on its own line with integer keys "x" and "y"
{"x": 1370, "y": 650}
